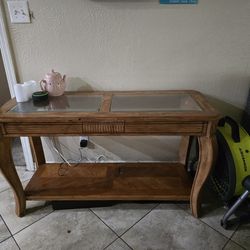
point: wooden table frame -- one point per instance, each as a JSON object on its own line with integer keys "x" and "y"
{"x": 105, "y": 181}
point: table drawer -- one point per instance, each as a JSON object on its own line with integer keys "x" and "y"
{"x": 166, "y": 128}
{"x": 42, "y": 129}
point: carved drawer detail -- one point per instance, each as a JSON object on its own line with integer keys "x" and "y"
{"x": 108, "y": 127}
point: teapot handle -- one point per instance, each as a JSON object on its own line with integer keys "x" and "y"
{"x": 43, "y": 85}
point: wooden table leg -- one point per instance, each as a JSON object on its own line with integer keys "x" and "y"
{"x": 37, "y": 150}
{"x": 207, "y": 152}
{"x": 183, "y": 150}
{"x": 9, "y": 172}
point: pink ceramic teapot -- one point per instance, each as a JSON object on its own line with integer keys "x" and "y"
{"x": 54, "y": 83}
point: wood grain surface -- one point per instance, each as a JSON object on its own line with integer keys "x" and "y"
{"x": 108, "y": 181}
{"x": 130, "y": 181}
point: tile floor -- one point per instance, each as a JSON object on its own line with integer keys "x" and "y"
{"x": 122, "y": 226}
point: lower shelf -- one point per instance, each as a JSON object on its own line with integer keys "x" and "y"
{"x": 110, "y": 181}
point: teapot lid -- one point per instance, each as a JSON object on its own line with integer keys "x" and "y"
{"x": 53, "y": 74}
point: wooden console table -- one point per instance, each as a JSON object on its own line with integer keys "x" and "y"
{"x": 184, "y": 113}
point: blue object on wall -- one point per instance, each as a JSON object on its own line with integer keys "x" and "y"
{"x": 178, "y": 1}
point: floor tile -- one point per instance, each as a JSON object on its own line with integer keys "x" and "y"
{"x": 22, "y": 173}
{"x": 9, "y": 244}
{"x": 118, "y": 245}
{"x": 122, "y": 216}
{"x": 212, "y": 213}
{"x": 242, "y": 236}
{"x": 35, "y": 211}
{"x": 169, "y": 227}
{"x": 3, "y": 183}
{"x": 4, "y": 232}
{"x": 232, "y": 246}
{"x": 66, "y": 229}
{"x": 213, "y": 219}
{"x": 17, "y": 152}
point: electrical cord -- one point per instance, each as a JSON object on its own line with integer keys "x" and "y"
{"x": 52, "y": 141}
{"x": 80, "y": 151}
{"x": 64, "y": 168}
{"x": 66, "y": 165}
{"x": 85, "y": 158}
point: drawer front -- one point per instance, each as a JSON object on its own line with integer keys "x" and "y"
{"x": 103, "y": 127}
{"x": 166, "y": 128}
{"x": 42, "y": 129}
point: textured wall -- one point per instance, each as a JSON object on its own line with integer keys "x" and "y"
{"x": 139, "y": 44}
{"x": 4, "y": 90}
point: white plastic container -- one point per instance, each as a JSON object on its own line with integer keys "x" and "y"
{"x": 24, "y": 91}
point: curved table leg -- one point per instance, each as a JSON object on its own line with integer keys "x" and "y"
{"x": 8, "y": 170}
{"x": 207, "y": 149}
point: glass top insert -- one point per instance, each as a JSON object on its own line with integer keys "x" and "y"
{"x": 64, "y": 103}
{"x": 154, "y": 103}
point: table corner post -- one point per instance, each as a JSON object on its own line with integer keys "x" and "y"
{"x": 207, "y": 157}
{"x": 8, "y": 170}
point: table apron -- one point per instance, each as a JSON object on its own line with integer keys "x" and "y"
{"x": 104, "y": 128}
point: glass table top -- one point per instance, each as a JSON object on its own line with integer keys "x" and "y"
{"x": 66, "y": 103}
{"x": 119, "y": 103}
{"x": 154, "y": 103}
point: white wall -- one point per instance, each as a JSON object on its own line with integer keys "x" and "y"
{"x": 4, "y": 90}
{"x": 139, "y": 44}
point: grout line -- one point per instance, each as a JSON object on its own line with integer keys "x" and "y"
{"x": 7, "y": 188}
{"x": 115, "y": 241}
{"x": 208, "y": 224}
{"x": 126, "y": 243}
{"x": 103, "y": 222}
{"x": 111, "y": 243}
{"x": 22, "y": 181}
{"x": 238, "y": 244}
{"x": 33, "y": 223}
{"x": 234, "y": 243}
{"x": 229, "y": 238}
{"x": 11, "y": 235}
{"x": 225, "y": 244}
{"x": 238, "y": 226}
{"x": 16, "y": 242}
{"x": 10, "y": 238}
{"x": 106, "y": 226}
{"x": 119, "y": 236}
{"x": 214, "y": 229}
{"x": 140, "y": 219}
{"x": 6, "y": 226}
{"x": 235, "y": 231}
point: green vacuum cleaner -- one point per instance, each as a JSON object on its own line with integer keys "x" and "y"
{"x": 231, "y": 175}
{"x": 233, "y": 163}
